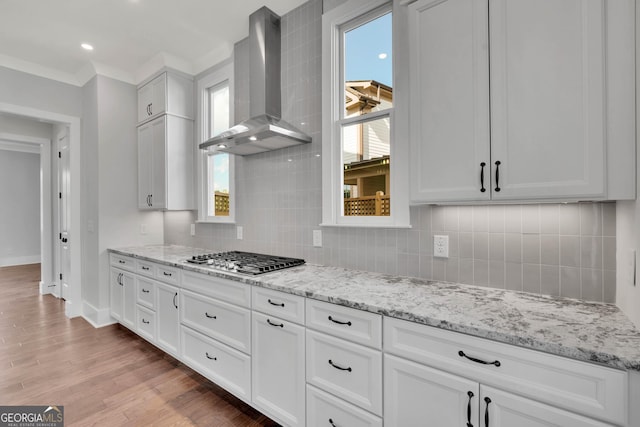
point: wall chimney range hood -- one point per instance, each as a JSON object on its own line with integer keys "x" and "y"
{"x": 265, "y": 130}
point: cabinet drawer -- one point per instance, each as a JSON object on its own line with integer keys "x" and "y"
{"x": 226, "y": 290}
{"x": 146, "y": 292}
{"x": 145, "y": 268}
{"x": 349, "y": 371}
{"x": 225, "y": 322}
{"x": 168, "y": 274}
{"x": 124, "y": 262}
{"x": 146, "y": 323}
{"x": 221, "y": 364}
{"x": 281, "y": 304}
{"x": 577, "y": 386}
{"x": 325, "y": 410}
{"x": 353, "y": 325}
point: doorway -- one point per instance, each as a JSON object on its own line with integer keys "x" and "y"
{"x": 72, "y": 292}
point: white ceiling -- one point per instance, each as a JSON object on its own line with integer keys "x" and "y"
{"x": 132, "y": 38}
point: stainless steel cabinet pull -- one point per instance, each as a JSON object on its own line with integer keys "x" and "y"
{"x": 281, "y": 325}
{"x": 473, "y": 359}
{"x": 175, "y": 297}
{"x": 340, "y": 367}
{"x": 339, "y": 322}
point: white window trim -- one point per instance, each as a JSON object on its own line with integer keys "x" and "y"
{"x": 224, "y": 73}
{"x": 332, "y": 104}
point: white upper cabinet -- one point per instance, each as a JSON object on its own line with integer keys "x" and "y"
{"x": 544, "y": 111}
{"x": 167, "y": 93}
{"x": 449, "y": 119}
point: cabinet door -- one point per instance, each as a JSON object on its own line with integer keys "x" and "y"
{"x": 168, "y": 318}
{"x": 152, "y": 164}
{"x": 145, "y": 150}
{"x": 116, "y": 293}
{"x": 547, "y": 98}
{"x": 449, "y": 78}
{"x": 418, "y": 395}
{"x": 159, "y": 163}
{"x": 129, "y": 301}
{"x": 278, "y": 379}
{"x": 152, "y": 98}
{"x": 502, "y": 409}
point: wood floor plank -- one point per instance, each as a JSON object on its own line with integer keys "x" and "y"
{"x": 103, "y": 377}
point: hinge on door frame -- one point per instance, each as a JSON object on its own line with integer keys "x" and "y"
{"x": 60, "y": 195}
{"x": 60, "y": 236}
{"x": 59, "y": 154}
{"x": 60, "y": 276}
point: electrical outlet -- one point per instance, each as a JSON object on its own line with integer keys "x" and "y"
{"x": 193, "y": 229}
{"x": 143, "y": 228}
{"x": 441, "y": 246}
{"x": 317, "y": 238}
{"x": 239, "y": 232}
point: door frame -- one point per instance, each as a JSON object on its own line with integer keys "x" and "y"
{"x": 73, "y": 305}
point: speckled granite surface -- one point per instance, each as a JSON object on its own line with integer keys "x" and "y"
{"x": 581, "y": 330}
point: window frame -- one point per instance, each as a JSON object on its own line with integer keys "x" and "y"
{"x": 334, "y": 24}
{"x": 223, "y": 73}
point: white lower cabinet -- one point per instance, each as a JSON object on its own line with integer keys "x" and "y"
{"x": 278, "y": 374}
{"x": 417, "y": 394}
{"x": 122, "y": 293}
{"x": 228, "y": 368}
{"x": 326, "y": 410}
{"x": 167, "y": 309}
{"x": 349, "y": 371}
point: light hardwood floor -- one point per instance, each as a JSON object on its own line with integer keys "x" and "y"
{"x": 104, "y": 377}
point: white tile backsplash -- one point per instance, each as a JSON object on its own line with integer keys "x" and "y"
{"x": 554, "y": 249}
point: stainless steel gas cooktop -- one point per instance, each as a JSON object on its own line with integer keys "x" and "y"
{"x": 244, "y": 262}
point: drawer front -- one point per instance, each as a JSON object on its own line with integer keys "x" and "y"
{"x": 577, "y": 386}
{"x": 281, "y": 304}
{"x": 124, "y": 262}
{"x": 146, "y": 292}
{"x": 221, "y": 364}
{"x": 325, "y": 410}
{"x": 168, "y": 275}
{"x": 225, "y": 322}
{"x": 349, "y": 371}
{"x": 353, "y": 325}
{"x": 146, "y": 323}
{"x": 226, "y": 290}
{"x": 145, "y": 268}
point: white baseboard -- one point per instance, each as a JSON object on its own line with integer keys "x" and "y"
{"x": 97, "y": 317}
{"x": 20, "y": 260}
{"x": 46, "y": 289}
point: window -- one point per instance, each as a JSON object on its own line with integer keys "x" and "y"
{"x": 216, "y": 168}
{"x": 362, "y": 158}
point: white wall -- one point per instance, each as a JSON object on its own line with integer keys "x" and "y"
{"x": 20, "y": 208}
{"x": 17, "y": 125}
{"x": 109, "y": 188}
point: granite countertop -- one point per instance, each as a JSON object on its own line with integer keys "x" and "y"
{"x": 588, "y": 331}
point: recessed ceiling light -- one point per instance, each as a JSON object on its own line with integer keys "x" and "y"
{"x": 222, "y": 146}
{"x": 253, "y": 138}
{"x": 382, "y": 56}
{"x": 86, "y": 46}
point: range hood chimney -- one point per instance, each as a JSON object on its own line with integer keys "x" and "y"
{"x": 265, "y": 130}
